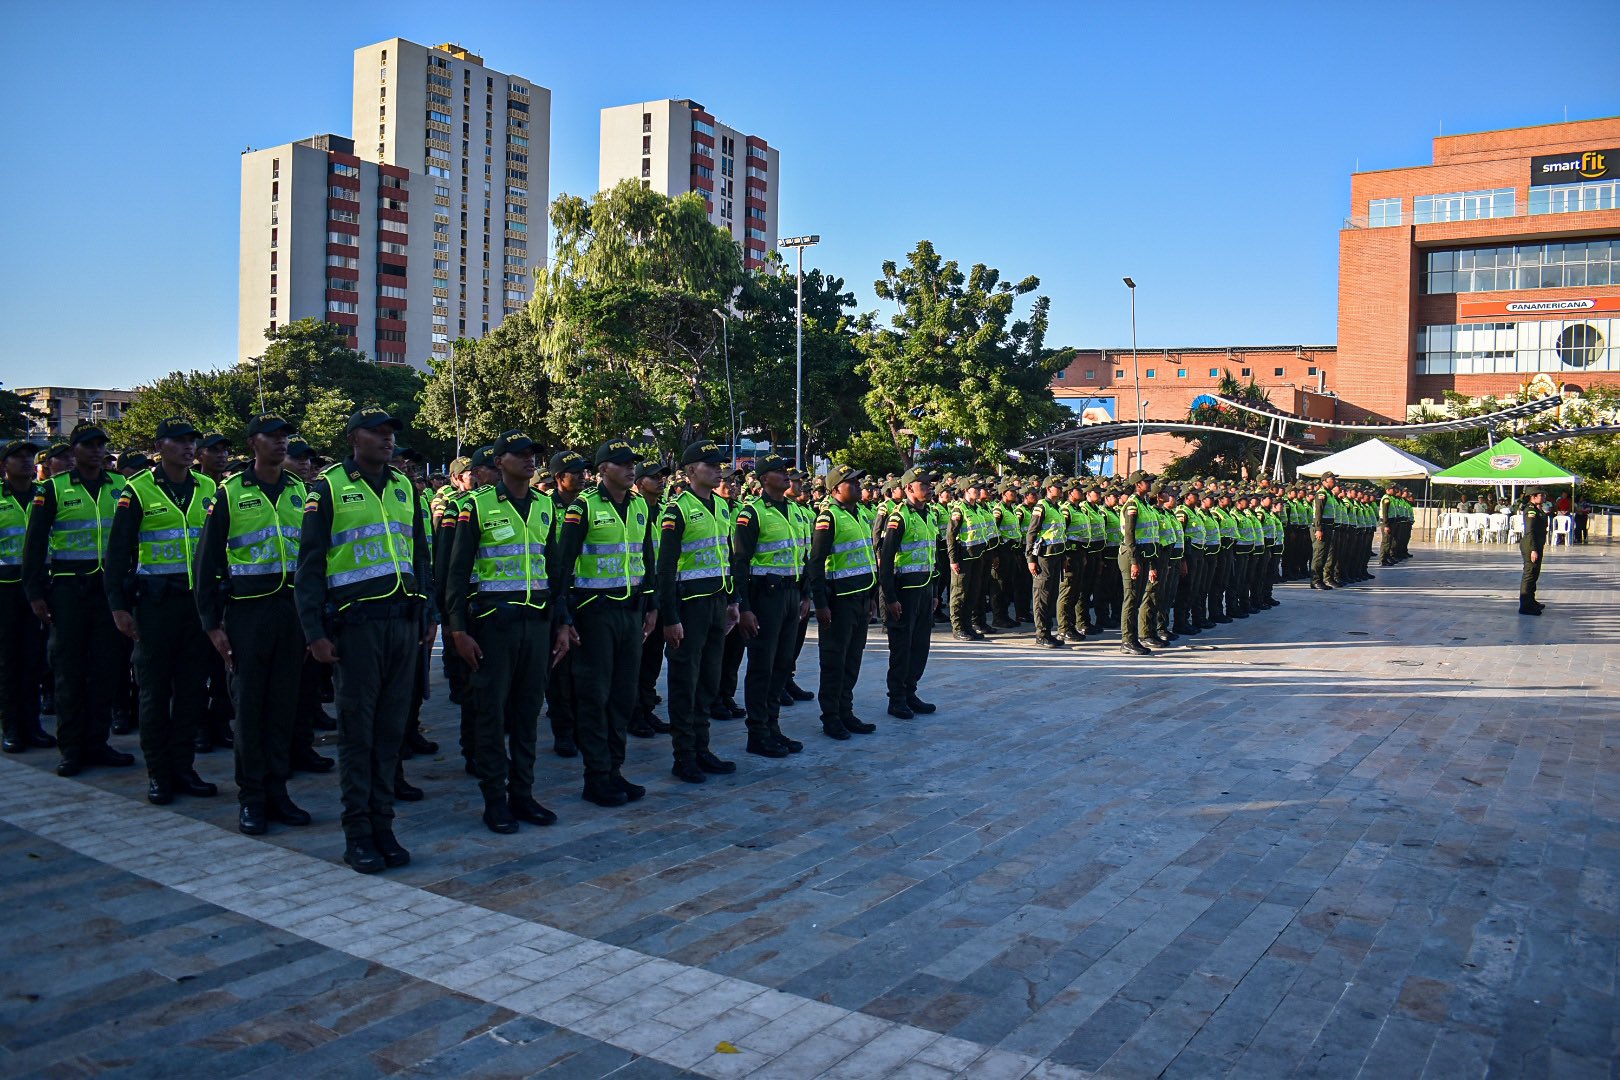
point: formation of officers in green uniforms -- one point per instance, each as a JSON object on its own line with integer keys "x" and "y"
{"x": 563, "y": 594}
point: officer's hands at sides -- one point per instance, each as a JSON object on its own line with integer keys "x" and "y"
{"x": 430, "y": 633}
{"x": 748, "y": 623}
{"x": 1136, "y": 571}
{"x": 466, "y": 648}
{"x": 674, "y": 635}
{"x": 1319, "y": 534}
{"x": 1535, "y": 556}
{"x": 804, "y": 609}
{"x": 564, "y": 639}
{"x": 956, "y": 568}
{"x": 1153, "y": 575}
{"x": 732, "y": 615}
{"x": 1034, "y": 567}
{"x": 42, "y": 611}
{"x": 823, "y": 616}
{"x": 322, "y": 651}
{"x": 894, "y": 610}
{"x": 648, "y": 621}
{"x": 222, "y": 645}
{"x": 126, "y": 625}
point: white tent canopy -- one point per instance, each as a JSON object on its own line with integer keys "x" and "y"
{"x": 1374, "y": 459}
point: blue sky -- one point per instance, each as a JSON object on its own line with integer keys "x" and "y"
{"x": 1205, "y": 149}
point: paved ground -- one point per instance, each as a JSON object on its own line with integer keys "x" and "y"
{"x": 1369, "y": 833}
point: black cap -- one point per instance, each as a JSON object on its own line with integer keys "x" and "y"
{"x": 1137, "y": 477}
{"x": 56, "y": 449}
{"x": 617, "y": 451}
{"x": 840, "y": 474}
{"x": 134, "y": 459}
{"x": 706, "y": 451}
{"x": 512, "y": 442}
{"x": 916, "y": 475}
{"x": 482, "y": 458}
{"x": 651, "y": 468}
{"x": 567, "y": 461}
{"x": 406, "y": 454}
{"x": 372, "y": 417}
{"x": 83, "y": 433}
{"x": 175, "y": 427}
{"x": 771, "y": 463}
{"x": 213, "y": 438}
{"x": 19, "y": 446}
{"x": 298, "y": 448}
{"x": 267, "y": 423}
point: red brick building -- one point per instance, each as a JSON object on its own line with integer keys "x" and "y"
{"x": 1496, "y": 264}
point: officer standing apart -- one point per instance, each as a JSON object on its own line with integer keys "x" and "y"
{"x": 150, "y": 552}
{"x": 604, "y": 572}
{"x": 364, "y": 593}
{"x": 246, "y": 560}
{"x": 498, "y": 617}
{"x": 842, "y": 573}
{"x": 1136, "y": 570}
{"x": 765, "y": 554}
{"x": 698, "y": 607}
{"x": 22, "y": 644}
{"x": 1532, "y": 546}
{"x": 906, "y": 566}
{"x": 64, "y": 553}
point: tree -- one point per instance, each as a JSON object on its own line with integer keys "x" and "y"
{"x": 953, "y": 362}
{"x": 1229, "y": 456}
{"x": 488, "y": 387}
{"x": 16, "y": 412}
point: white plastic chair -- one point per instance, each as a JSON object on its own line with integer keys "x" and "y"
{"x": 1515, "y": 528}
{"x": 1497, "y": 533}
{"x": 1564, "y": 526}
{"x": 1475, "y": 527}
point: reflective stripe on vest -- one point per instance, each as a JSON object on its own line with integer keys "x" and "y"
{"x": 79, "y": 533}
{"x": 372, "y": 534}
{"x": 1054, "y": 534}
{"x": 851, "y": 560}
{"x": 916, "y": 553}
{"x": 612, "y": 558}
{"x": 261, "y": 547}
{"x": 705, "y": 560}
{"x": 167, "y": 537}
{"x": 13, "y": 527}
{"x": 510, "y": 565}
{"x": 777, "y": 552}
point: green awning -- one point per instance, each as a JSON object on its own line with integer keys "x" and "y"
{"x": 1508, "y": 462}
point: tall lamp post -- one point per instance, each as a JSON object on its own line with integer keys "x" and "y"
{"x": 1136, "y": 373}
{"x": 798, "y": 244}
{"x": 731, "y": 402}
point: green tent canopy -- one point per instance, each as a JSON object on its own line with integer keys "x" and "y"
{"x": 1508, "y": 463}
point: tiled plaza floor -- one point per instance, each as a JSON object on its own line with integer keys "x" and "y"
{"x": 1368, "y": 833}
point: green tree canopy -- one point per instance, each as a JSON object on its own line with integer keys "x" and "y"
{"x": 15, "y": 414}
{"x": 954, "y": 363}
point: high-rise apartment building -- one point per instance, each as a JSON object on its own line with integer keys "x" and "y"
{"x": 676, "y": 146}
{"x": 326, "y": 235}
{"x": 482, "y": 138}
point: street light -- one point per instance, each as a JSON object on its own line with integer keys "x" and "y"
{"x": 731, "y": 402}
{"x": 798, "y": 244}
{"x": 1136, "y": 373}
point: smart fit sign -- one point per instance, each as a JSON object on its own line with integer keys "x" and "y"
{"x": 1572, "y": 168}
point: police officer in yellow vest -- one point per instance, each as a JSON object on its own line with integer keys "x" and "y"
{"x": 908, "y": 563}
{"x": 698, "y": 607}
{"x": 842, "y": 575}
{"x": 604, "y": 582}
{"x": 498, "y": 615}
{"x": 364, "y": 589}
{"x": 1046, "y": 547}
{"x": 246, "y": 560}
{"x": 64, "y": 553}
{"x": 22, "y": 641}
{"x": 771, "y": 594}
{"x": 1138, "y": 553}
{"x": 150, "y": 553}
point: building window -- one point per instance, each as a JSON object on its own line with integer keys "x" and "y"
{"x": 1181, "y": 373}
{"x": 1570, "y": 198}
{"x": 1310, "y": 371}
{"x": 1462, "y": 206}
{"x": 646, "y": 121}
{"x": 1247, "y": 372}
{"x": 1214, "y": 373}
{"x": 1277, "y": 372}
{"x": 1091, "y": 375}
{"x": 1522, "y": 266}
{"x": 1383, "y": 212}
{"x": 1151, "y": 373}
{"x": 1119, "y": 373}
{"x": 1550, "y": 345}
{"x": 1063, "y": 375}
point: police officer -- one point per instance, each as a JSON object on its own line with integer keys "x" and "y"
{"x": 499, "y": 619}
{"x": 651, "y": 479}
{"x": 1136, "y": 570}
{"x": 1532, "y": 548}
{"x": 842, "y": 574}
{"x": 1046, "y": 550}
{"x": 771, "y": 594}
{"x": 697, "y": 606}
{"x": 22, "y": 643}
{"x": 148, "y": 579}
{"x": 64, "y": 553}
{"x": 567, "y": 468}
{"x": 908, "y": 562}
{"x": 314, "y": 680}
{"x": 605, "y": 577}
{"x": 246, "y": 559}
{"x": 365, "y": 602}
{"x": 725, "y": 706}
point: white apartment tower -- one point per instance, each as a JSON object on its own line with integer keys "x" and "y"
{"x": 482, "y": 140}
{"x": 328, "y": 236}
{"x": 676, "y": 146}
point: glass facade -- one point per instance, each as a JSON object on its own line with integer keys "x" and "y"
{"x": 1577, "y": 264}
{"x": 1552, "y": 345}
{"x": 1569, "y": 198}
{"x": 1462, "y": 206}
